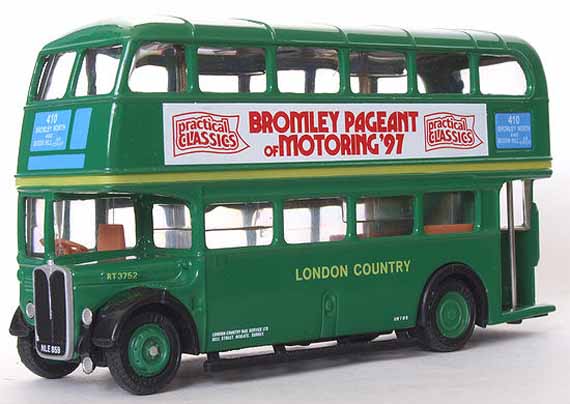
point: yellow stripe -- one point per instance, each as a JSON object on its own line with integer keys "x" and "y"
{"x": 318, "y": 172}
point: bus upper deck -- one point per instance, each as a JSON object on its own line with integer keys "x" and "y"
{"x": 177, "y": 101}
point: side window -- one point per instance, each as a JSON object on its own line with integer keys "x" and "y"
{"x": 449, "y": 212}
{"x": 307, "y": 70}
{"x": 443, "y": 73}
{"x": 239, "y": 224}
{"x": 314, "y": 220}
{"x": 501, "y": 75}
{"x": 99, "y": 70}
{"x": 84, "y": 225}
{"x": 522, "y": 200}
{"x": 386, "y": 216}
{"x": 378, "y": 72}
{"x": 171, "y": 225}
{"x": 231, "y": 70}
{"x": 35, "y": 213}
{"x": 159, "y": 68}
{"x": 54, "y": 78}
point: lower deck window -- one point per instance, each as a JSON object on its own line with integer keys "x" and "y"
{"x": 102, "y": 224}
{"x": 449, "y": 212}
{"x": 171, "y": 225}
{"x": 35, "y": 212}
{"x": 387, "y": 216}
{"x": 314, "y": 220}
{"x": 231, "y": 225}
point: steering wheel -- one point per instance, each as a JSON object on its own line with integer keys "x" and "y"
{"x": 66, "y": 247}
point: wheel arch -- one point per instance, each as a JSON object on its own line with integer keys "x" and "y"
{"x": 464, "y": 273}
{"x": 111, "y": 317}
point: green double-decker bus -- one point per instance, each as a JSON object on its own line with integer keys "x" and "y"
{"x": 206, "y": 187}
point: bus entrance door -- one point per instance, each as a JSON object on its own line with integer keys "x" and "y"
{"x": 519, "y": 244}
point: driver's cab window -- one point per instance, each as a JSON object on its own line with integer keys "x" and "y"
{"x": 101, "y": 224}
{"x": 159, "y": 68}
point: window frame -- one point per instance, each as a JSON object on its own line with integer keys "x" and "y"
{"x": 50, "y": 224}
{"x": 82, "y": 53}
{"x": 126, "y": 68}
{"x": 410, "y": 66}
{"x": 524, "y": 66}
{"x": 471, "y": 67}
{"x": 414, "y": 217}
{"x": 23, "y": 227}
{"x": 170, "y": 201}
{"x": 195, "y": 75}
{"x": 346, "y": 217}
{"x": 341, "y": 52}
{"x": 276, "y": 209}
{"x": 37, "y": 82}
{"x": 476, "y": 212}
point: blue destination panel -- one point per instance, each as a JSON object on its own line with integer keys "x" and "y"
{"x": 80, "y": 129}
{"x": 513, "y": 130}
{"x": 56, "y": 161}
{"x": 50, "y": 130}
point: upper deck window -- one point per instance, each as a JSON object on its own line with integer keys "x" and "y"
{"x": 231, "y": 70}
{"x": 56, "y": 70}
{"x": 99, "y": 70}
{"x": 159, "y": 68}
{"x": 378, "y": 72}
{"x": 443, "y": 73}
{"x": 307, "y": 70}
{"x": 501, "y": 75}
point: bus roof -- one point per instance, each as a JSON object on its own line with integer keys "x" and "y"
{"x": 255, "y": 32}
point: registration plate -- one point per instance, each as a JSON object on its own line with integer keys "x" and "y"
{"x": 50, "y": 349}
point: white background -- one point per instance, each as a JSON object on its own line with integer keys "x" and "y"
{"x": 507, "y": 364}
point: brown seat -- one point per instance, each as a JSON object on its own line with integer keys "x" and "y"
{"x": 110, "y": 237}
{"x": 448, "y": 228}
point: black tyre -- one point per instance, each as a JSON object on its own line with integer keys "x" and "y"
{"x": 357, "y": 339}
{"x": 147, "y": 354}
{"x": 42, "y": 367}
{"x": 449, "y": 316}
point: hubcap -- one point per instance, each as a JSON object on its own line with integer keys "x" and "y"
{"x": 149, "y": 350}
{"x": 452, "y": 315}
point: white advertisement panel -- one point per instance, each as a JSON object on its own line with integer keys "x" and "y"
{"x": 283, "y": 133}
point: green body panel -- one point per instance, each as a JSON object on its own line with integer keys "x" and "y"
{"x": 258, "y": 291}
{"x": 136, "y": 119}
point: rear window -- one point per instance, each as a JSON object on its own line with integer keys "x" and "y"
{"x": 501, "y": 75}
{"x": 55, "y": 74}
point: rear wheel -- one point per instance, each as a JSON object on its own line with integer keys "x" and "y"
{"x": 449, "y": 317}
{"x": 147, "y": 354}
{"x": 42, "y": 367}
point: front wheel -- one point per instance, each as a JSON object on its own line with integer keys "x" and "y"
{"x": 147, "y": 355}
{"x": 42, "y": 367}
{"x": 449, "y": 317}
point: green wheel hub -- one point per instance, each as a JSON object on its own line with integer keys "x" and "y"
{"x": 149, "y": 350}
{"x": 453, "y": 315}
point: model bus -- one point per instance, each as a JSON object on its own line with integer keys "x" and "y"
{"x": 206, "y": 187}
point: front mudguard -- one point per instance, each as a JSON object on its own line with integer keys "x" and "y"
{"x": 112, "y": 317}
{"x": 18, "y": 326}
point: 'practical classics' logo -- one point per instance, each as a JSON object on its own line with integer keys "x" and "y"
{"x": 444, "y": 130}
{"x": 204, "y": 132}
